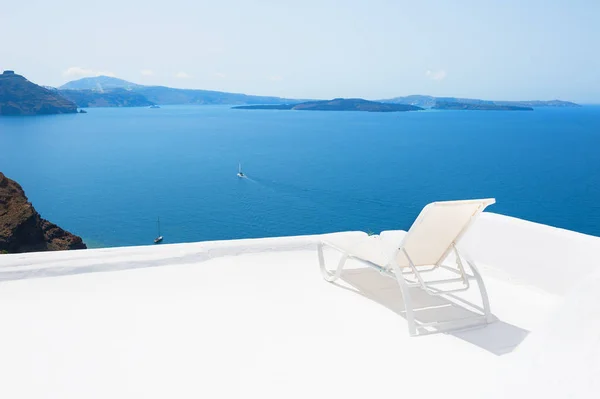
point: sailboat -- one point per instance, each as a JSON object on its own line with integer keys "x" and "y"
{"x": 240, "y": 173}
{"x": 159, "y": 238}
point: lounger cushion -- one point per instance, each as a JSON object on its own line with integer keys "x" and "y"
{"x": 438, "y": 227}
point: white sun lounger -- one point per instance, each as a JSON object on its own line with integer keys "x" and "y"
{"x": 428, "y": 243}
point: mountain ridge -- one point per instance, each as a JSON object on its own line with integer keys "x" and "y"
{"x": 95, "y": 91}
{"x": 98, "y": 83}
{"x": 110, "y": 98}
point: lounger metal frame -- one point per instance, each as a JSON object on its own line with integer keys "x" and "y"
{"x": 393, "y": 270}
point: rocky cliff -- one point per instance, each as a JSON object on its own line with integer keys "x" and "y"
{"x": 18, "y": 96}
{"x": 21, "y": 227}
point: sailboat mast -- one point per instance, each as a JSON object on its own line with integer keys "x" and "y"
{"x": 240, "y": 167}
{"x": 158, "y": 225}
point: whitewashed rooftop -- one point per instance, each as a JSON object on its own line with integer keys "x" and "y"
{"x": 255, "y": 319}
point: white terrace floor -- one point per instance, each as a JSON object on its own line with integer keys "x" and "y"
{"x": 254, "y": 319}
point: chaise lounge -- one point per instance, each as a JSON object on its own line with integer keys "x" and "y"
{"x": 427, "y": 249}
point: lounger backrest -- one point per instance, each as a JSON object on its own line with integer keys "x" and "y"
{"x": 438, "y": 226}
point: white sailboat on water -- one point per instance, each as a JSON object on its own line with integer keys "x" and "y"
{"x": 240, "y": 173}
{"x": 159, "y": 238}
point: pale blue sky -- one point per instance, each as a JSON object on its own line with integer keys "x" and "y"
{"x": 501, "y": 50}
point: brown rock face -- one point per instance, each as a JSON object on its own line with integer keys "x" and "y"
{"x": 21, "y": 227}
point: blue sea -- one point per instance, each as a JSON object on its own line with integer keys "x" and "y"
{"x": 108, "y": 174}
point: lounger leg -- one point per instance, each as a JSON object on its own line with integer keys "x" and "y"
{"x": 410, "y": 317}
{"x": 327, "y": 275}
{"x": 484, "y": 296}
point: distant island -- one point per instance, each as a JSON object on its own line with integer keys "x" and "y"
{"x": 338, "y": 104}
{"x": 18, "y": 96}
{"x": 169, "y": 96}
{"x": 449, "y": 105}
{"x": 472, "y": 103}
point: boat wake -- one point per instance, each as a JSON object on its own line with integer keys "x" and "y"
{"x": 323, "y": 197}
